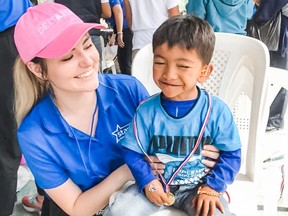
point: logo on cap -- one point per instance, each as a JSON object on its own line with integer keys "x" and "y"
{"x": 48, "y": 23}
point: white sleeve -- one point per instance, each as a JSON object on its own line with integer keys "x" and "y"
{"x": 104, "y": 1}
{"x": 172, "y": 3}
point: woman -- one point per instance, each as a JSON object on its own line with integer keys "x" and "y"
{"x": 70, "y": 118}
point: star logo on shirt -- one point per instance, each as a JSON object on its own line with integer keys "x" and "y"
{"x": 119, "y": 133}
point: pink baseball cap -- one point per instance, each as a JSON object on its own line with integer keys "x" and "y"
{"x": 49, "y": 30}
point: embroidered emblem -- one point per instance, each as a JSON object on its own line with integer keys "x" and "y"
{"x": 119, "y": 133}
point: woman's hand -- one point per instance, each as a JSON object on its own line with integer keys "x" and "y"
{"x": 157, "y": 165}
{"x": 120, "y": 41}
{"x": 212, "y": 154}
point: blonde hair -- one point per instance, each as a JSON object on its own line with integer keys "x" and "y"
{"x": 28, "y": 89}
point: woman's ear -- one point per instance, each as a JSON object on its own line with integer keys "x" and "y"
{"x": 205, "y": 73}
{"x": 36, "y": 70}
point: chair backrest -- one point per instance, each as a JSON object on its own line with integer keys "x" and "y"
{"x": 239, "y": 78}
{"x": 142, "y": 66}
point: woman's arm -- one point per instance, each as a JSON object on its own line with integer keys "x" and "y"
{"x": 225, "y": 170}
{"x": 73, "y": 201}
{"x": 118, "y": 15}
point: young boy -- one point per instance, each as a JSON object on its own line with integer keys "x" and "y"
{"x": 173, "y": 123}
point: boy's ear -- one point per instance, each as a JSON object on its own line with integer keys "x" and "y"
{"x": 35, "y": 69}
{"x": 205, "y": 73}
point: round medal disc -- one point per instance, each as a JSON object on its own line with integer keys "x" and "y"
{"x": 171, "y": 198}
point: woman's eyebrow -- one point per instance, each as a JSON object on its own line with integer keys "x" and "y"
{"x": 87, "y": 38}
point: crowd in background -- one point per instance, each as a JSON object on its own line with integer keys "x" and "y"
{"x": 133, "y": 23}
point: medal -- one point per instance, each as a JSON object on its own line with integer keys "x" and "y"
{"x": 152, "y": 188}
{"x": 171, "y": 198}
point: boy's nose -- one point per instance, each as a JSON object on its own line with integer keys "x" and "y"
{"x": 170, "y": 73}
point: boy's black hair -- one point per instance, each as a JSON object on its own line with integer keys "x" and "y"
{"x": 188, "y": 32}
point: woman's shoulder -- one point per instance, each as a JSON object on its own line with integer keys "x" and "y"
{"x": 117, "y": 79}
{"x": 123, "y": 83}
{"x": 43, "y": 115}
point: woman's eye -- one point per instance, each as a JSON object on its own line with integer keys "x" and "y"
{"x": 87, "y": 47}
{"x": 68, "y": 58}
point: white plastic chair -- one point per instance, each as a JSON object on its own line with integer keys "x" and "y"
{"x": 240, "y": 79}
{"x": 142, "y": 66}
{"x": 275, "y": 142}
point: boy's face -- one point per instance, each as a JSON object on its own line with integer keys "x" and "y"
{"x": 176, "y": 71}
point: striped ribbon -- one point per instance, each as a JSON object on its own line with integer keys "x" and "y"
{"x": 167, "y": 187}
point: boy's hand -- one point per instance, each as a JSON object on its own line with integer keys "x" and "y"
{"x": 155, "y": 193}
{"x": 205, "y": 205}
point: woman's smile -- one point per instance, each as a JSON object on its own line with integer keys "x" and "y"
{"x": 85, "y": 74}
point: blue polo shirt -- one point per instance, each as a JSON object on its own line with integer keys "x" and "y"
{"x": 54, "y": 154}
{"x": 11, "y": 11}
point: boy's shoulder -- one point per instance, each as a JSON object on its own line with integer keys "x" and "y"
{"x": 151, "y": 100}
{"x": 217, "y": 102}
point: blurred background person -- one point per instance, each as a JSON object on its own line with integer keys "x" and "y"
{"x": 223, "y": 15}
{"x": 123, "y": 35}
{"x": 10, "y": 154}
{"x": 145, "y": 16}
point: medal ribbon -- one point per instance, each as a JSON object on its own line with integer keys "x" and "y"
{"x": 167, "y": 188}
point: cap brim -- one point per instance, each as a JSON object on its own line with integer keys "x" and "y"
{"x": 66, "y": 40}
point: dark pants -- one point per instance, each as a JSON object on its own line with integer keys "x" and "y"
{"x": 50, "y": 208}
{"x": 279, "y": 104}
{"x": 124, "y": 55}
{"x": 10, "y": 154}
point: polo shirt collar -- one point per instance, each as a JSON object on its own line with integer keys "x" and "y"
{"x": 55, "y": 123}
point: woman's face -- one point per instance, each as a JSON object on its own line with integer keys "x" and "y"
{"x": 76, "y": 71}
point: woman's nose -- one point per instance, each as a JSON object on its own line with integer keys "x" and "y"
{"x": 85, "y": 59}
